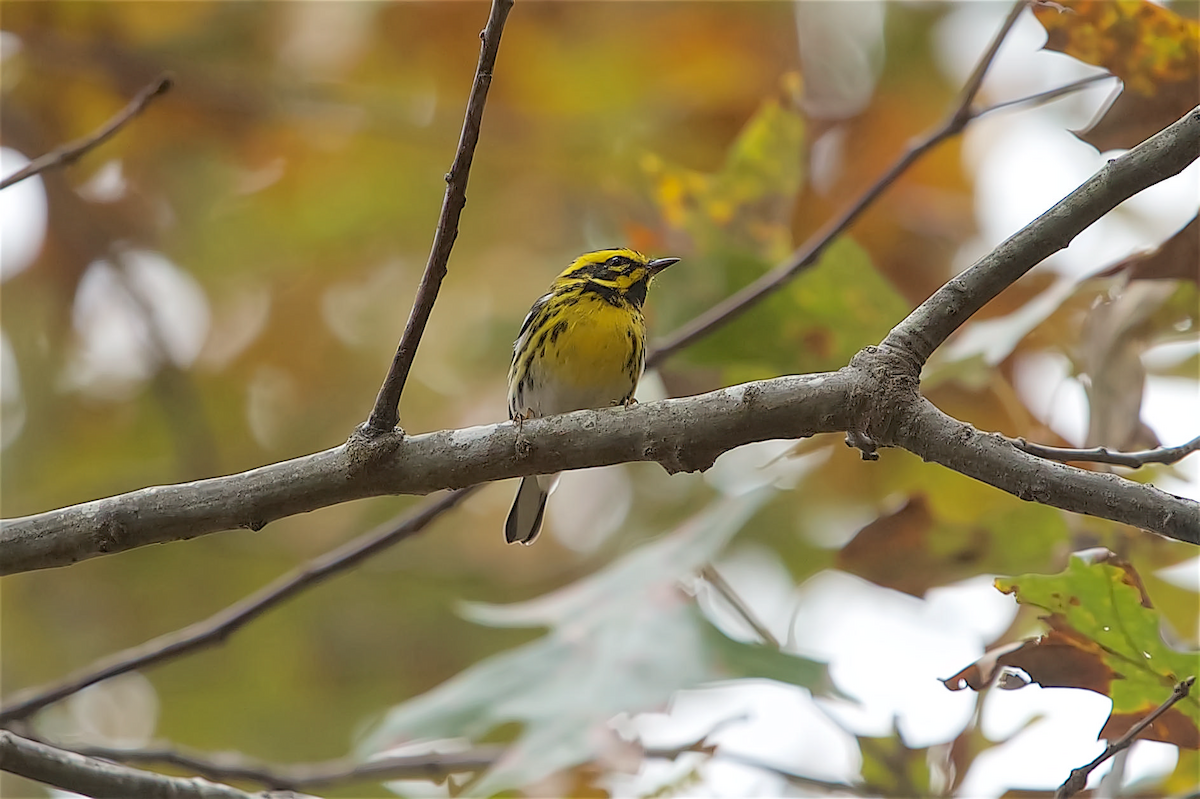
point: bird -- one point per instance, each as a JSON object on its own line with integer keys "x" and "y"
{"x": 582, "y": 345}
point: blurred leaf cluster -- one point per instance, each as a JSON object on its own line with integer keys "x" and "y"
{"x": 222, "y": 285}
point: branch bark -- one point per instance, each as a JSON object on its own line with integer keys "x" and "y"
{"x": 87, "y": 775}
{"x": 990, "y": 458}
{"x": 229, "y": 767}
{"x": 681, "y": 434}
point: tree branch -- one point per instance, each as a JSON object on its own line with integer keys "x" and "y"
{"x": 1163, "y": 155}
{"x": 1134, "y": 460}
{"x": 685, "y": 434}
{"x": 990, "y": 458}
{"x": 220, "y": 626}
{"x": 306, "y": 776}
{"x": 1078, "y": 779}
{"x": 70, "y": 153}
{"x": 74, "y": 772}
{"x": 808, "y": 254}
{"x": 874, "y": 398}
{"x": 680, "y": 434}
{"x": 431, "y": 766}
{"x": 386, "y": 413}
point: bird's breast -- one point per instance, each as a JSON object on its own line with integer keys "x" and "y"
{"x": 595, "y": 359}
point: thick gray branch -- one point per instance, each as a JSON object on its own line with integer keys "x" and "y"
{"x": 1161, "y": 156}
{"x": 91, "y": 777}
{"x": 681, "y": 434}
{"x": 684, "y": 434}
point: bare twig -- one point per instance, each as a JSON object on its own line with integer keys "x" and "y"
{"x": 806, "y": 256}
{"x": 1134, "y": 460}
{"x": 1041, "y": 98}
{"x": 72, "y": 152}
{"x": 964, "y": 110}
{"x": 48, "y": 764}
{"x": 386, "y": 413}
{"x": 220, "y": 626}
{"x": 1078, "y": 779}
{"x": 714, "y": 578}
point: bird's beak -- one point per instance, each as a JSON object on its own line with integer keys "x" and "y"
{"x": 659, "y": 264}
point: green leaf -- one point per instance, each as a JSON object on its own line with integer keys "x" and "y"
{"x": 919, "y": 545}
{"x": 621, "y": 640}
{"x": 815, "y": 323}
{"x": 1099, "y": 610}
{"x": 746, "y": 206}
{"x": 736, "y": 659}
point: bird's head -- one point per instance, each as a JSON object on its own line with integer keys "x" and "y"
{"x": 623, "y": 273}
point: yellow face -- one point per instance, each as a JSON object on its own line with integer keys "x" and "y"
{"x": 621, "y": 276}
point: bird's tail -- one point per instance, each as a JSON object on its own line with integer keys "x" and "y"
{"x": 525, "y": 519}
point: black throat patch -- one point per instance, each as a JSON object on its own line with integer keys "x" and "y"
{"x": 636, "y": 294}
{"x": 610, "y": 294}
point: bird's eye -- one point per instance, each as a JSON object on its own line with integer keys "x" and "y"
{"x": 614, "y": 261}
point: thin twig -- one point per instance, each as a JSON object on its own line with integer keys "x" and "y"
{"x": 710, "y": 575}
{"x": 1078, "y": 779}
{"x": 386, "y": 413}
{"x": 1041, "y": 98}
{"x": 72, "y": 152}
{"x": 1134, "y": 460}
{"x": 221, "y": 625}
{"x": 806, "y": 256}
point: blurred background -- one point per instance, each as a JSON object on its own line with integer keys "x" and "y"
{"x": 223, "y": 284}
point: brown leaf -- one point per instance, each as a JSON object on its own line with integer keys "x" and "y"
{"x": 1153, "y": 50}
{"x": 979, "y": 675}
{"x": 1132, "y": 117}
{"x": 1087, "y": 603}
{"x": 1177, "y": 258}
{"x": 1172, "y": 727}
{"x": 873, "y": 553}
{"x": 894, "y": 551}
{"x": 1111, "y": 350}
{"x": 1058, "y": 659}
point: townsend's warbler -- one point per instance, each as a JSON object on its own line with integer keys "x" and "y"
{"x": 582, "y": 345}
